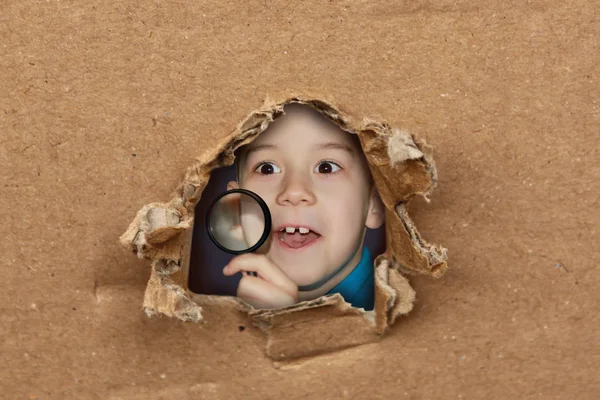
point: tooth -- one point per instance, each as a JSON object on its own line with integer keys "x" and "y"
{"x": 303, "y": 230}
{"x": 290, "y": 229}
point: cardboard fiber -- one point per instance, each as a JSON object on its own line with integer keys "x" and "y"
{"x": 105, "y": 104}
{"x": 402, "y": 167}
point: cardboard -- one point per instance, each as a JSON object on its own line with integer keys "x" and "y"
{"x": 105, "y": 105}
{"x": 402, "y": 168}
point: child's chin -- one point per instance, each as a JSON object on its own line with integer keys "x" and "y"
{"x": 302, "y": 279}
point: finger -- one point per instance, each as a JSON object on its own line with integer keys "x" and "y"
{"x": 237, "y": 232}
{"x": 262, "y": 294}
{"x": 265, "y": 269}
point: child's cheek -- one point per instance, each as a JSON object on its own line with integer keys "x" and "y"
{"x": 267, "y": 191}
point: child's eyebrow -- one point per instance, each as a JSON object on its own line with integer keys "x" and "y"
{"x": 259, "y": 147}
{"x": 318, "y": 146}
{"x": 335, "y": 146}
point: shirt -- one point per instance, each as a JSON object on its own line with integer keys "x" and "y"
{"x": 358, "y": 288}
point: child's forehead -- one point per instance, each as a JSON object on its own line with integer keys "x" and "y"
{"x": 303, "y": 133}
{"x": 305, "y": 127}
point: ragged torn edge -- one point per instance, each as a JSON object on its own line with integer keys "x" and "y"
{"x": 402, "y": 167}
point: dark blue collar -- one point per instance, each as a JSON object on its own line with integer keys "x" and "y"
{"x": 358, "y": 288}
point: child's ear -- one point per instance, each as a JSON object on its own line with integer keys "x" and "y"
{"x": 232, "y": 185}
{"x": 376, "y": 215}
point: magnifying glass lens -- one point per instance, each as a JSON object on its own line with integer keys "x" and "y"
{"x": 239, "y": 221}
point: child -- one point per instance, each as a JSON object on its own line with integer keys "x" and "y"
{"x": 317, "y": 184}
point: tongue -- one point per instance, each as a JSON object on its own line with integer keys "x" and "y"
{"x": 296, "y": 240}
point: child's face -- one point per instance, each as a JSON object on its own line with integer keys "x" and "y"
{"x": 311, "y": 175}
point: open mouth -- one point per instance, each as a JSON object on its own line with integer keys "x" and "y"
{"x": 297, "y": 236}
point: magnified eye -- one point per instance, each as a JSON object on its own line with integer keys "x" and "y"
{"x": 327, "y": 167}
{"x": 267, "y": 168}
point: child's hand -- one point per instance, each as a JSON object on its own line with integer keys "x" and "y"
{"x": 271, "y": 288}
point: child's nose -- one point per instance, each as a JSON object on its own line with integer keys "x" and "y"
{"x": 296, "y": 191}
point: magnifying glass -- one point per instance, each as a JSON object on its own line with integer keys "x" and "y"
{"x": 238, "y": 221}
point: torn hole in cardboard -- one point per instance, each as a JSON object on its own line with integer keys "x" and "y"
{"x": 402, "y": 167}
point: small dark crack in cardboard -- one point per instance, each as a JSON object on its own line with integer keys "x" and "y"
{"x": 402, "y": 167}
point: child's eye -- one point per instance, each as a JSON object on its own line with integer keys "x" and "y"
{"x": 267, "y": 168}
{"x": 327, "y": 167}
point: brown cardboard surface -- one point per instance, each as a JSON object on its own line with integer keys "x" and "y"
{"x": 402, "y": 168}
{"x": 104, "y": 105}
